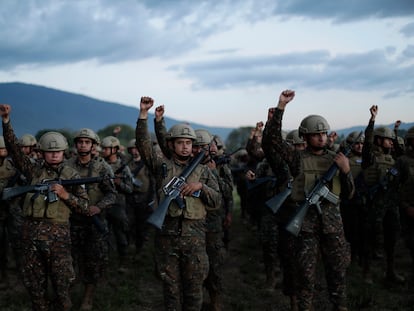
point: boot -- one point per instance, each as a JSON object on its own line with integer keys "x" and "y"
{"x": 216, "y": 303}
{"x": 4, "y": 282}
{"x": 122, "y": 267}
{"x": 392, "y": 276}
{"x": 87, "y": 302}
{"x": 293, "y": 303}
{"x": 340, "y": 308}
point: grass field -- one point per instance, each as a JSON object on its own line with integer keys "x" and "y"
{"x": 244, "y": 278}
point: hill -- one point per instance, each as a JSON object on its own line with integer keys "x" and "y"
{"x": 37, "y": 107}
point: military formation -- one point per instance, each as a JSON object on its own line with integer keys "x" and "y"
{"x": 318, "y": 206}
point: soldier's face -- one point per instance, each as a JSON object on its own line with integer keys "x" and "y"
{"x": 84, "y": 145}
{"x": 183, "y": 147}
{"x": 317, "y": 140}
{"x": 3, "y": 152}
{"x": 53, "y": 157}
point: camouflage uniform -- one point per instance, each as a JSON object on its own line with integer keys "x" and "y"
{"x": 382, "y": 219}
{"x": 90, "y": 243}
{"x": 180, "y": 246}
{"x": 320, "y": 234}
{"x": 7, "y": 172}
{"x": 46, "y": 232}
{"x": 140, "y": 202}
{"x": 405, "y": 165}
{"x": 117, "y": 216}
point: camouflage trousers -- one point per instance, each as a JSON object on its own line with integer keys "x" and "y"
{"x": 334, "y": 252}
{"x": 182, "y": 264}
{"x": 269, "y": 239}
{"x": 47, "y": 254}
{"x": 216, "y": 254}
{"x": 288, "y": 260}
{"x": 89, "y": 252}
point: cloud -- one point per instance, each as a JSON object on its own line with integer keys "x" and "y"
{"x": 56, "y": 32}
{"x": 346, "y": 10}
{"x": 408, "y": 30}
{"x": 366, "y": 71}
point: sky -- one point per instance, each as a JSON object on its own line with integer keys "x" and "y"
{"x": 220, "y": 63}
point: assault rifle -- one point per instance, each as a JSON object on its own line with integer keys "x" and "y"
{"x": 276, "y": 201}
{"x": 253, "y": 184}
{"x": 44, "y": 188}
{"x": 319, "y": 192}
{"x": 172, "y": 192}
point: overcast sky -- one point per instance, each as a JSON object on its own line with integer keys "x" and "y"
{"x": 220, "y": 63}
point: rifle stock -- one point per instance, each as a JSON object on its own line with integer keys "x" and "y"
{"x": 276, "y": 201}
{"x": 172, "y": 192}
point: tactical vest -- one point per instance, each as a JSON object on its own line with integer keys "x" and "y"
{"x": 194, "y": 207}
{"x": 375, "y": 172}
{"x": 406, "y": 189}
{"x": 7, "y": 172}
{"x": 355, "y": 162}
{"x": 312, "y": 168}
{"x": 37, "y": 206}
{"x": 93, "y": 169}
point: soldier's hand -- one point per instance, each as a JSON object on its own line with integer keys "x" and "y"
{"x": 250, "y": 175}
{"x": 259, "y": 126}
{"x": 343, "y": 162}
{"x": 146, "y": 103}
{"x": 5, "y": 112}
{"x": 397, "y": 124}
{"x": 374, "y": 111}
{"x": 159, "y": 112}
{"x": 116, "y": 130}
{"x": 190, "y": 188}
{"x": 285, "y": 97}
{"x": 60, "y": 191}
{"x": 94, "y": 210}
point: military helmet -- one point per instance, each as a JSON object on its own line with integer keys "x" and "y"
{"x": 293, "y": 138}
{"x": 181, "y": 130}
{"x": 111, "y": 142}
{"x": 385, "y": 132}
{"x": 410, "y": 133}
{"x": 87, "y": 133}
{"x": 131, "y": 143}
{"x": 203, "y": 137}
{"x": 313, "y": 124}
{"x": 27, "y": 140}
{"x": 350, "y": 139}
{"x": 53, "y": 141}
{"x": 219, "y": 142}
{"x": 2, "y": 143}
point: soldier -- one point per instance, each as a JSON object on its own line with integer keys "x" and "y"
{"x": 381, "y": 182}
{"x": 46, "y": 231}
{"x": 352, "y": 209}
{"x": 7, "y": 174}
{"x": 117, "y": 216}
{"x": 28, "y": 145}
{"x": 405, "y": 165}
{"x": 180, "y": 246}
{"x": 215, "y": 218}
{"x": 222, "y": 161}
{"x": 140, "y": 202}
{"x": 89, "y": 236}
{"x": 322, "y": 231}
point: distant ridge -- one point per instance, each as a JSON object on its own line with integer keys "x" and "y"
{"x": 36, "y": 107}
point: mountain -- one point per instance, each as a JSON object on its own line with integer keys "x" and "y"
{"x": 36, "y": 108}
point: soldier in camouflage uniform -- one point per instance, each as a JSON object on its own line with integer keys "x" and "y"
{"x": 214, "y": 236}
{"x": 321, "y": 234}
{"x": 382, "y": 223}
{"x": 46, "y": 231}
{"x": 180, "y": 246}
{"x": 405, "y": 165}
{"x": 89, "y": 236}
{"x": 352, "y": 209}
{"x": 141, "y": 201}
{"x": 7, "y": 173}
{"x": 116, "y": 215}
